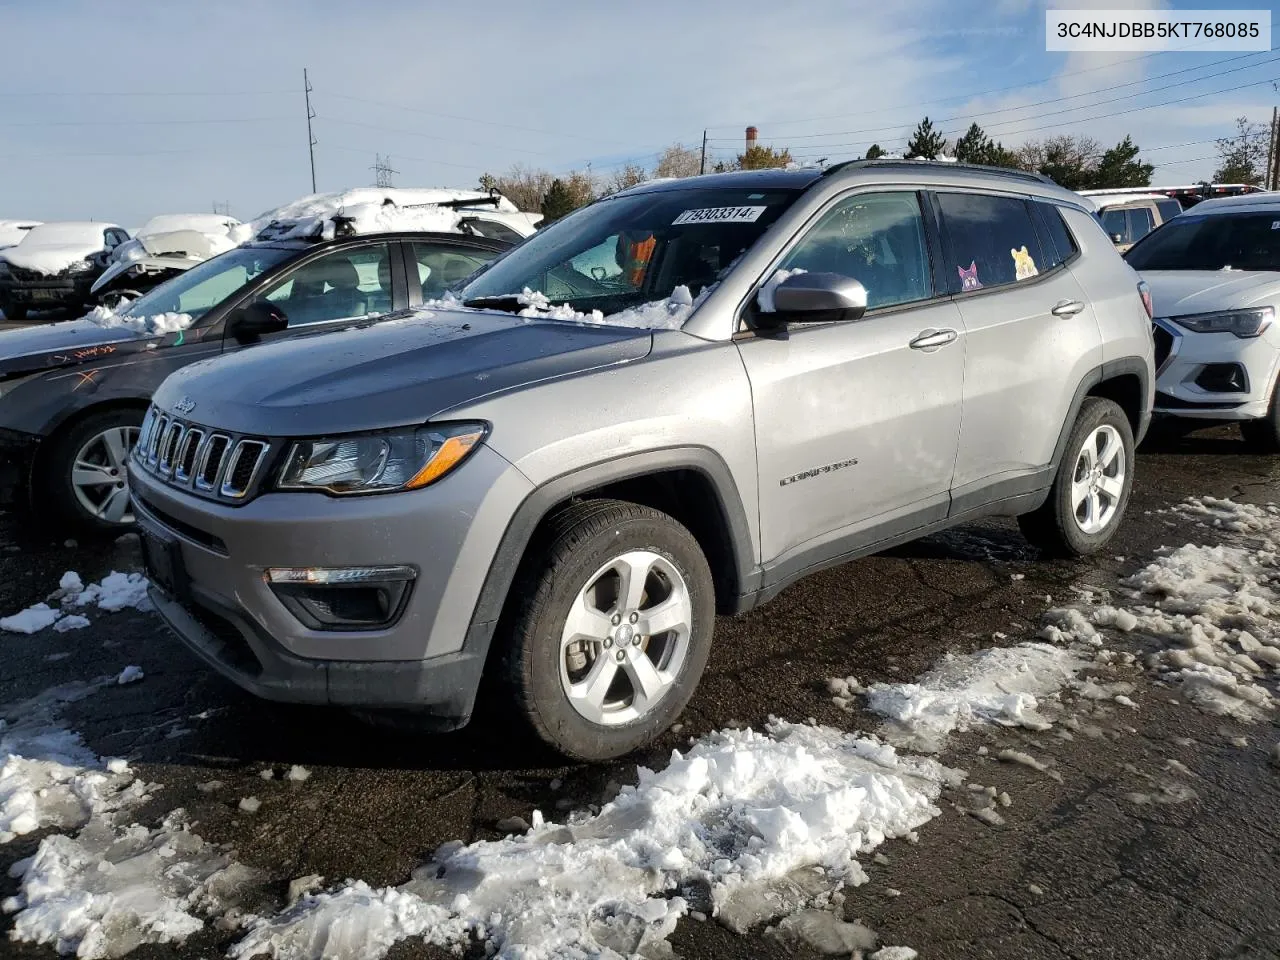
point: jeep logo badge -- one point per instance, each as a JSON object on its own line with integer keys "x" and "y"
{"x": 185, "y": 405}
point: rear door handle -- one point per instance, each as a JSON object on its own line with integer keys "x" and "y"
{"x": 1067, "y": 308}
{"x": 927, "y": 339}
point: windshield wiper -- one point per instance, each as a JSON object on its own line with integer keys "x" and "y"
{"x": 511, "y": 303}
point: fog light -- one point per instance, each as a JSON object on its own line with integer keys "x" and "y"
{"x": 343, "y": 598}
{"x": 1223, "y": 378}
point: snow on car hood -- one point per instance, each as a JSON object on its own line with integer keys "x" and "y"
{"x": 1178, "y": 293}
{"x": 52, "y": 247}
{"x": 392, "y": 372}
{"x": 12, "y": 231}
{"x": 156, "y": 324}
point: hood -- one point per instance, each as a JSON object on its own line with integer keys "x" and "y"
{"x": 49, "y": 258}
{"x": 158, "y": 264}
{"x": 393, "y": 373}
{"x": 1177, "y": 293}
{"x": 62, "y": 344}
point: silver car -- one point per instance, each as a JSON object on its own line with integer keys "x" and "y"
{"x": 672, "y": 403}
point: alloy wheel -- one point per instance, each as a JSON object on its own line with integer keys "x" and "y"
{"x": 100, "y": 475}
{"x": 1097, "y": 483}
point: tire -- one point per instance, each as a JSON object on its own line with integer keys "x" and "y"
{"x": 1263, "y": 434}
{"x": 1057, "y": 527}
{"x": 580, "y": 564}
{"x": 93, "y": 440}
{"x": 14, "y": 312}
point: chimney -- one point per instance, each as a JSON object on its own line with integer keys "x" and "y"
{"x": 751, "y": 137}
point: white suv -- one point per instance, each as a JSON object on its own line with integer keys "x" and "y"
{"x": 1214, "y": 273}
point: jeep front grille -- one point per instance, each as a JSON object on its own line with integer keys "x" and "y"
{"x": 210, "y": 463}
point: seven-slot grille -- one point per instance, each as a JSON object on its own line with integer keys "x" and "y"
{"x": 197, "y": 458}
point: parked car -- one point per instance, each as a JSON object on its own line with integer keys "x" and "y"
{"x": 160, "y": 249}
{"x": 55, "y": 265}
{"x": 1214, "y": 273}
{"x": 73, "y": 394}
{"x": 1128, "y": 217}
{"x": 357, "y": 519}
{"x": 12, "y": 231}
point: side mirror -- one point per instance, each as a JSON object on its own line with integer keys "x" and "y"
{"x": 248, "y": 324}
{"x": 818, "y": 298}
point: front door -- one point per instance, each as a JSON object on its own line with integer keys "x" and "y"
{"x": 856, "y": 428}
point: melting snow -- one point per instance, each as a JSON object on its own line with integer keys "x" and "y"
{"x": 112, "y": 593}
{"x": 741, "y": 811}
{"x": 154, "y": 325}
{"x": 667, "y": 314}
{"x": 764, "y": 299}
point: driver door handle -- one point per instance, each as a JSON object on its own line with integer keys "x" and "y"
{"x": 1067, "y": 308}
{"x": 933, "y": 338}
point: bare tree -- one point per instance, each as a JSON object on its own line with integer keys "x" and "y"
{"x": 1243, "y": 158}
{"x": 523, "y": 186}
{"x": 627, "y": 177}
{"x": 678, "y": 161}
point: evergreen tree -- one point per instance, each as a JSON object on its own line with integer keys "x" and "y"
{"x": 557, "y": 202}
{"x": 875, "y": 152}
{"x": 926, "y": 143}
{"x": 1120, "y": 167}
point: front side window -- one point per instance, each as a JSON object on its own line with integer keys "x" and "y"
{"x": 1239, "y": 241}
{"x": 1168, "y": 208}
{"x": 343, "y": 285}
{"x": 491, "y": 229}
{"x": 632, "y": 250}
{"x": 207, "y": 284}
{"x": 993, "y": 240}
{"x": 877, "y": 239}
{"x": 1141, "y": 222}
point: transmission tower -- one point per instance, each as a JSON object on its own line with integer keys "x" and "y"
{"x": 222, "y": 207}
{"x": 382, "y": 171}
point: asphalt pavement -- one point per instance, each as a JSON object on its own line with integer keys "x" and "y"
{"x": 1078, "y": 869}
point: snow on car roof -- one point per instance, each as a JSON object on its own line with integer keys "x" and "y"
{"x": 202, "y": 222}
{"x": 66, "y": 231}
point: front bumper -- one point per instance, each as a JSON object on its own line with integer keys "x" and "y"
{"x": 1179, "y": 395}
{"x": 58, "y": 291}
{"x": 17, "y": 456}
{"x": 428, "y": 659}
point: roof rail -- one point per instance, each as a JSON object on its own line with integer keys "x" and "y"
{"x": 1008, "y": 172}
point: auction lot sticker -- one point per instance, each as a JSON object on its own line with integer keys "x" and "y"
{"x": 1193, "y": 31}
{"x": 720, "y": 215}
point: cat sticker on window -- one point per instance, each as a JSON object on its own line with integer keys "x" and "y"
{"x": 1023, "y": 266}
{"x": 969, "y": 278}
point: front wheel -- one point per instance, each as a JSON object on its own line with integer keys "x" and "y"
{"x": 85, "y": 477}
{"x": 613, "y": 631}
{"x": 1092, "y": 486}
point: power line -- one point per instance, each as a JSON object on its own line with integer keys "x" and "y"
{"x": 1087, "y": 106}
{"x": 426, "y": 136}
{"x": 138, "y": 123}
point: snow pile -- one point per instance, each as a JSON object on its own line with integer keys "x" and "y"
{"x": 53, "y": 247}
{"x": 1206, "y": 613}
{"x": 47, "y": 775}
{"x": 116, "y": 591}
{"x": 1002, "y": 685}
{"x": 764, "y": 299}
{"x": 741, "y": 812}
{"x": 110, "y": 890}
{"x": 12, "y": 231}
{"x": 194, "y": 236}
{"x": 155, "y": 325}
{"x": 667, "y": 314}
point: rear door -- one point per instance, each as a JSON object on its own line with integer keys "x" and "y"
{"x": 1029, "y": 327}
{"x": 856, "y": 428}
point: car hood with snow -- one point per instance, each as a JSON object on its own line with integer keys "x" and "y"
{"x": 53, "y": 247}
{"x": 1180, "y": 293}
{"x": 391, "y": 373}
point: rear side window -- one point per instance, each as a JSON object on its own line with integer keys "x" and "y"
{"x": 992, "y": 240}
{"x": 492, "y": 229}
{"x": 1116, "y": 225}
{"x": 1056, "y": 241}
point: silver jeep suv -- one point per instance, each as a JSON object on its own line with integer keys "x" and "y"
{"x": 671, "y": 403}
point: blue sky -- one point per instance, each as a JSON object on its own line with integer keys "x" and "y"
{"x": 120, "y": 111}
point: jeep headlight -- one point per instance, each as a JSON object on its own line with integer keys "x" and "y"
{"x": 1242, "y": 323}
{"x": 80, "y": 266}
{"x": 379, "y": 462}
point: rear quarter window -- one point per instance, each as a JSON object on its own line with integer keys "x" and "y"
{"x": 992, "y": 240}
{"x": 1057, "y": 242}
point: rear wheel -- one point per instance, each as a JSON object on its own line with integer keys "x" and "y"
{"x": 1091, "y": 489}
{"x": 16, "y": 312}
{"x": 86, "y": 476}
{"x": 613, "y": 631}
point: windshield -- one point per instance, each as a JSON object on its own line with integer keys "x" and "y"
{"x": 198, "y": 290}
{"x": 1241, "y": 241}
{"x": 623, "y": 253}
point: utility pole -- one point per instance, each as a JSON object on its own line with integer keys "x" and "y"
{"x": 382, "y": 171}
{"x": 1271, "y": 178}
{"x": 702, "y": 164}
{"x": 311, "y": 140}
{"x": 223, "y": 207}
